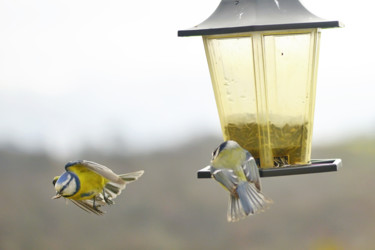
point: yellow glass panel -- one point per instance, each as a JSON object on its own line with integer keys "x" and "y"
{"x": 264, "y": 84}
{"x": 232, "y": 74}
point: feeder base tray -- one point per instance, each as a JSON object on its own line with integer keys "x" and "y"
{"x": 315, "y": 166}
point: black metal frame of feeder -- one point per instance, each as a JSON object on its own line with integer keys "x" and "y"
{"x": 315, "y": 166}
{"x": 258, "y": 15}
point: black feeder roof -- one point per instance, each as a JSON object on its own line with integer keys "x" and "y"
{"x": 258, "y": 15}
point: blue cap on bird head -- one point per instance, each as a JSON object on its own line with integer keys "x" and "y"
{"x": 68, "y": 184}
{"x": 225, "y": 145}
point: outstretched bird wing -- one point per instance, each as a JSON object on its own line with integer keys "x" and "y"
{"x": 87, "y": 205}
{"x": 97, "y": 168}
{"x": 251, "y": 171}
{"x": 226, "y": 178}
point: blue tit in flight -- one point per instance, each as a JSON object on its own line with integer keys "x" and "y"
{"x": 90, "y": 185}
{"x": 236, "y": 170}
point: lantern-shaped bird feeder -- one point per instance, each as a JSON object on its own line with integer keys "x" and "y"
{"x": 263, "y": 58}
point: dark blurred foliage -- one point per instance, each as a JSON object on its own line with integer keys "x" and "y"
{"x": 169, "y": 208}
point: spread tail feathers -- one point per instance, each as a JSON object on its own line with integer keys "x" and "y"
{"x": 248, "y": 201}
{"x": 235, "y": 210}
{"x": 113, "y": 189}
{"x": 130, "y": 177}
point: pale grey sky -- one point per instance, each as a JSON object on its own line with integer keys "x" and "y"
{"x": 77, "y": 72}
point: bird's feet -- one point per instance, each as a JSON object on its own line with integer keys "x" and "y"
{"x": 108, "y": 201}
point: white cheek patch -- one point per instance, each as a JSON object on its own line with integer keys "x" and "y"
{"x": 66, "y": 181}
{"x": 60, "y": 185}
{"x": 71, "y": 187}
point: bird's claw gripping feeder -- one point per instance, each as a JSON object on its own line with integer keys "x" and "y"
{"x": 263, "y": 60}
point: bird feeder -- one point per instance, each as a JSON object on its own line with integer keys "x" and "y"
{"x": 263, "y": 61}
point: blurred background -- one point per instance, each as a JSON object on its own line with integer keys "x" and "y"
{"x": 110, "y": 81}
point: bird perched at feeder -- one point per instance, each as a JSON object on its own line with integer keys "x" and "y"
{"x": 236, "y": 170}
{"x": 90, "y": 185}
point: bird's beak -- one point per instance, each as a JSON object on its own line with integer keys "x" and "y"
{"x": 56, "y": 196}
